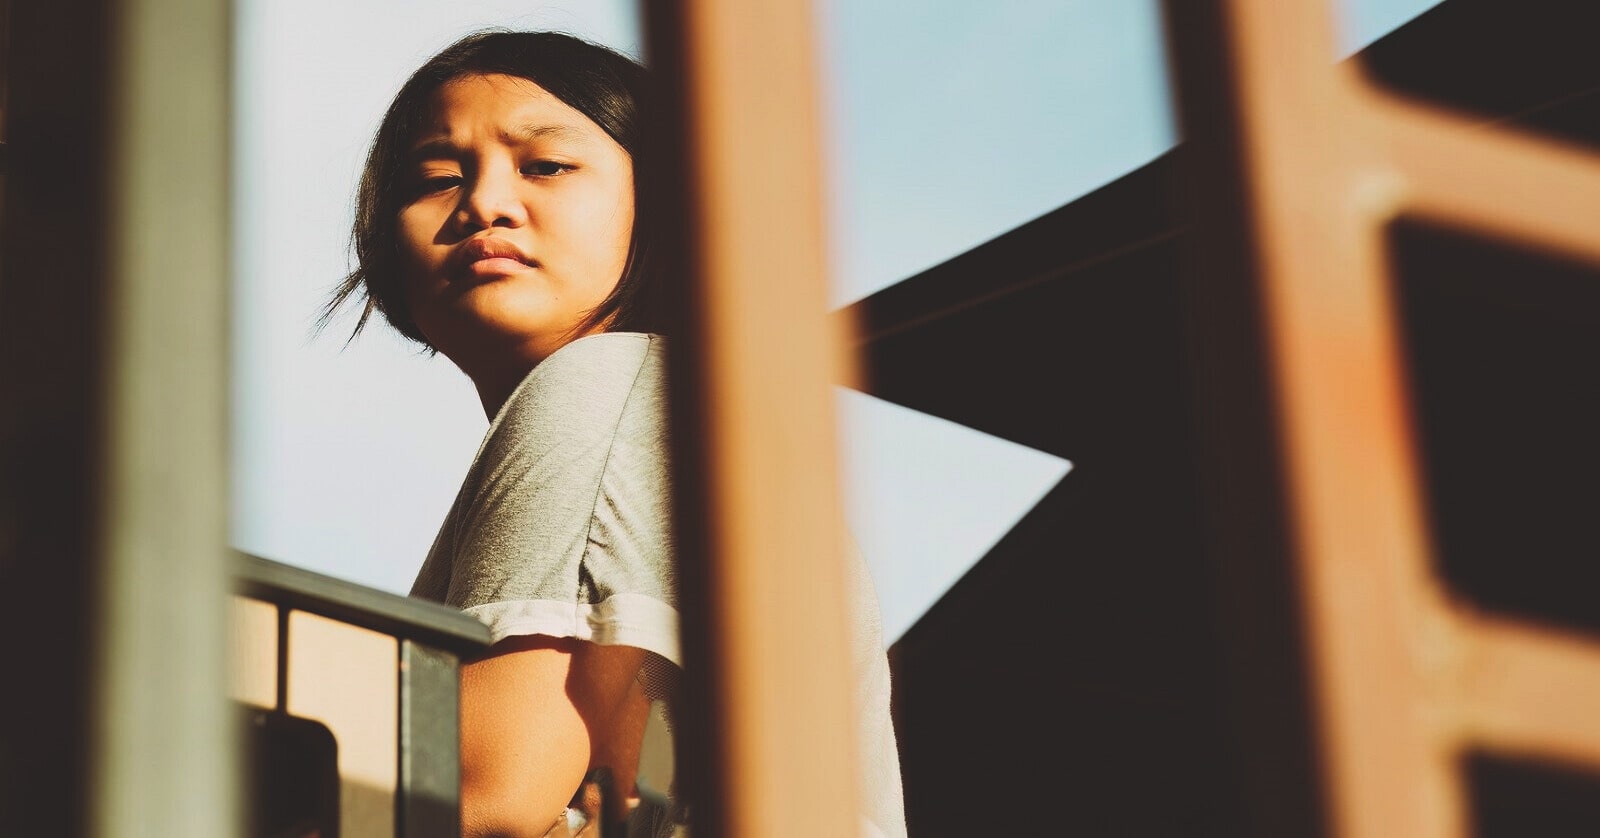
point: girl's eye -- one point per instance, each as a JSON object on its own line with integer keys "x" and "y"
{"x": 545, "y": 168}
{"x": 433, "y": 184}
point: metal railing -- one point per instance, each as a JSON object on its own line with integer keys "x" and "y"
{"x": 429, "y": 643}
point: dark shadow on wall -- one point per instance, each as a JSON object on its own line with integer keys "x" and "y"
{"x": 291, "y": 776}
{"x": 1527, "y": 64}
{"x": 1073, "y": 676}
{"x": 1503, "y": 353}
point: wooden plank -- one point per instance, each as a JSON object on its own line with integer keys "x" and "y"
{"x": 761, "y": 530}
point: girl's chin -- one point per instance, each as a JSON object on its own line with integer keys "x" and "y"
{"x": 509, "y": 339}
{"x": 501, "y": 318}
{"x": 494, "y": 311}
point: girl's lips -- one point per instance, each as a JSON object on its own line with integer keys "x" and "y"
{"x": 495, "y": 266}
{"x": 490, "y": 256}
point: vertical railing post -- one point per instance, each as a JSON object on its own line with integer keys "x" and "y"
{"x": 760, "y": 529}
{"x": 113, "y": 340}
{"x": 428, "y": 785}
{"x": 52, "y": 360}
{"x": 165, "y": 756}
{"x": 1237, "y": 438}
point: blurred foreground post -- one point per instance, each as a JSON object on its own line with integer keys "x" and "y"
{"x": 761, "y": 531}
{"x": 113, "y": 358}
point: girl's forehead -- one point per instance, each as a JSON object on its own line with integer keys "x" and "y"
{"x": 477, "y": 93}
{"x": 514, "y": 104}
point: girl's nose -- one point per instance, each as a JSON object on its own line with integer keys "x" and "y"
{"x": 491, "y": 200}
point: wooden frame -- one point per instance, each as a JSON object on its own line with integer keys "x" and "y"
{"x": 1404, "y": 678}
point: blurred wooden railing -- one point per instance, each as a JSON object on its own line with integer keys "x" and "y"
{"x": 1300, "y": 169}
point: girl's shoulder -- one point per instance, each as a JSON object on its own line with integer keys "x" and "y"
{"x": 587, "y": 375}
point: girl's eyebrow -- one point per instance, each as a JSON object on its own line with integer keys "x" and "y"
{"x": 431, "y": 149}
{"x": 529, "y": 133}
{"x": 443, "y": 146}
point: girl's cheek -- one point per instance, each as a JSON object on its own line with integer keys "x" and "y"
{"x": 413, "y": 256}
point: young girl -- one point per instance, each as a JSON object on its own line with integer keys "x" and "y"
{"x": 497, "y": 223}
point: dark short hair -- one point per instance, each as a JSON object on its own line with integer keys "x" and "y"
{"x": 603, "y": 85}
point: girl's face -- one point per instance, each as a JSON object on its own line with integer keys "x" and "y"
{"x": 518, "y": 217}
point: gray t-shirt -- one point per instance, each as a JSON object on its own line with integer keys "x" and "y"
{"x": 563, "y": 528}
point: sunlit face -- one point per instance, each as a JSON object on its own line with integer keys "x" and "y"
{"x": 517, "y": 222}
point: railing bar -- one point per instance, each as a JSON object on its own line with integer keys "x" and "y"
{"x": 281, "y": 694}
{"x": 1537, "y": 190}
{"x": 1526, "y": 688}
{"x": 428, "y": 782}
{"x": 386, "y": 613}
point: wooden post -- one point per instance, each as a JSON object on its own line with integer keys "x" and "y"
{"x": 761, "y": 531}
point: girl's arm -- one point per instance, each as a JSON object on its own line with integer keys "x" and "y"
{"x": 536, "y": 714}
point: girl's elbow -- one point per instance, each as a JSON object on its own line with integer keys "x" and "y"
{"x": 495, "y": 810}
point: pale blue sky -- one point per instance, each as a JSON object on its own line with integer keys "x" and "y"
{"x": 947, "y": 123}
